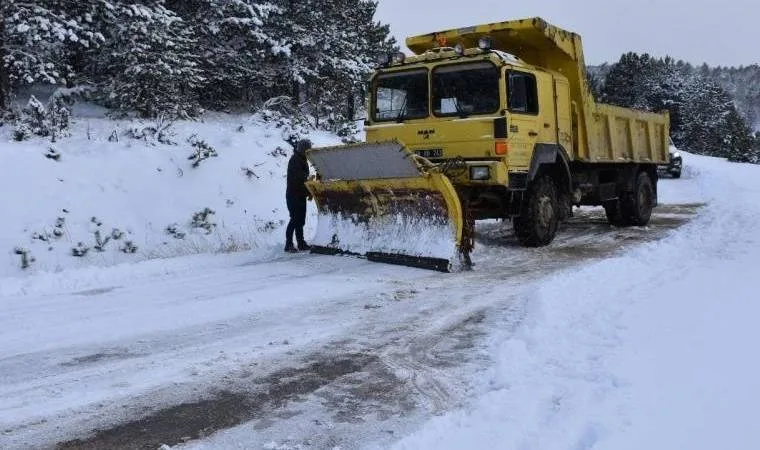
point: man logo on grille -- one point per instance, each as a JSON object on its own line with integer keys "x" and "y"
{"x": 426, "y": 133}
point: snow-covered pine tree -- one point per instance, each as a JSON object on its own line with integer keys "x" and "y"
{"x": 755, "y": 153}
{"x": 642, "y": 82}
{"x": 360, "y": 43}
{"x": 664, "y": 90}
{"x": 743, "y": 84}
{"x": 37, "y": 39}
{"x": 299, "y": 26}
{"x": 595, "y": 83}
{"x": 704, "y": 118}
{"x": 149, "y": 62}
{"x": 625, "y": 82}
{"x": 330, "y": 88}
{"x": 4, "y": 80}
{"x": 333, "y": 46}
{"x": 234, "y": 48}
{"x": 737, "y": 138}
{"x": 222, "y": 53}
{"x": 96, "y": 19}
{"x": 711, "y": 125}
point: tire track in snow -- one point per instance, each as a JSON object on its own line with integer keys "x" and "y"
{"x": 413, "y": 355}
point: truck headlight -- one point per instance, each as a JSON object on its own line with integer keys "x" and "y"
{"x": 485, "y": 43}
{"x": 480, "y": 173}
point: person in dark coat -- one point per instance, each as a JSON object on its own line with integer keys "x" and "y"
{"x": 296, "y": 195}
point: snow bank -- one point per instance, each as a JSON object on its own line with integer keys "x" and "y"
{"x": 142, "y": 192}
{"x": 653, "y": 349}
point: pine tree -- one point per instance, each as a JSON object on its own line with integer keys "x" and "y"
{"x": 755, "y": 152}
{"x": 595, "y": 82}
{"x": 37, "y": 38}
{"x": 704, "y": 118}
{"x": 737, "y": 138}
{"x": 625, "y": 82}
{"x": 743, "y": 84}
{"x": 150, "y": 60}
{"x": 234, "y": 47}
{"x": 358, "y": 44}
{"x": 333, "y": 45}
{"x": 711, "y": 124}
{"x": 171, "y": 56}
{"x": 4, "y": 79}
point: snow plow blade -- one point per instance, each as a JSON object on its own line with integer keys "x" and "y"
{"x": 384, "y": 203}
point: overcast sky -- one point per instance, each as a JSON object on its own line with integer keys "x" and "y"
{"x": 723, "y": 32}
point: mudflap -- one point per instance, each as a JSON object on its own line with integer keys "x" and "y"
{"x": 381, "y": 202}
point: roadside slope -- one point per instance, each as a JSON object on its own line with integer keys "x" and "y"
{"x": 118, "y": 181}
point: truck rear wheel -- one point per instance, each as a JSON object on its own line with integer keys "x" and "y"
{"x": 633, "y": 208}
{"x": 637, "y": 206}
{"x": 537, "y": 223}
{"x": 614, "y": 213}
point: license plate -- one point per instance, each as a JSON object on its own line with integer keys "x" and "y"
{"x": 430, "y": 153}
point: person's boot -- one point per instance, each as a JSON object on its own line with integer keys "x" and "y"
{"x": 290, "y": 248}
{"x": 302, "y": 245}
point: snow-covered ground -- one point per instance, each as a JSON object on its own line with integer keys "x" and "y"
{"x": 652, "y": 349}
{"x": 147, "y": 191}
{"x": 636, "y": 338}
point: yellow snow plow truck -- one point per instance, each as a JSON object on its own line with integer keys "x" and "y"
{"x": 492, "y": 121}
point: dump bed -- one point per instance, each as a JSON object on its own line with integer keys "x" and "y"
{"x": 603, "y": 133}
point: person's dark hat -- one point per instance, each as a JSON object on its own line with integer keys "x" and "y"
{"x": 302, "y": 146}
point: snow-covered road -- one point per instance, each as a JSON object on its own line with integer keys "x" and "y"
{"x": 654, "y": 348}
{"x": 323, "y": 352}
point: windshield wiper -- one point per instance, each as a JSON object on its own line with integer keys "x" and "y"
{"x": 402, "y": 112}
{"x": 460, "y": 111}
{"x": 447, "y": 91}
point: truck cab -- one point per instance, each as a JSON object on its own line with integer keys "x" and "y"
{"x": 480, "y": 107}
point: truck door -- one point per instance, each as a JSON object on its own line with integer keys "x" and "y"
{"x": 564, "y": 115}
{"x": 523, "y": 107}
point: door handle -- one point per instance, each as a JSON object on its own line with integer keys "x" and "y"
{"x": 532, "y": 134}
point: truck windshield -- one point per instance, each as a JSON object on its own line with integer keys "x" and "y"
{"x": 464, "y": 89}
{"x": 401, "y": 95}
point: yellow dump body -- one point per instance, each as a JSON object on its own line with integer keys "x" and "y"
{"x": 600, "y": 133}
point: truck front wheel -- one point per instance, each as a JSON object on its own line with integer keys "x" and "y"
{"x": 537, "y": 223}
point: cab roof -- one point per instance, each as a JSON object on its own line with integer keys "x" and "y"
{"x": 447, "y": 55}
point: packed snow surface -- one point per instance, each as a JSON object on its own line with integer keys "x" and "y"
{"x": 652, "y": 349}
